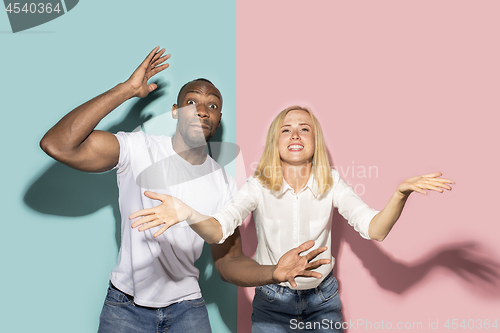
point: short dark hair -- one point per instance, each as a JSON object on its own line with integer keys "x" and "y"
{"x": 184, "y": 86}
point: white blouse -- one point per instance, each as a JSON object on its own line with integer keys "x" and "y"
{"x": 286, "y": 219}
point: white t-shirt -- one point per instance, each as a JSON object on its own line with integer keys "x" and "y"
{"x": 286, "y": 219}
{"x": 161, "y": 271}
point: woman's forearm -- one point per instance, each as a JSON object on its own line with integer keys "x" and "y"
{"x": 206, "y": 226}
{"x": 382, "y": 223}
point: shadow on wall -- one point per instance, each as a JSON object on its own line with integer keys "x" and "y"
{"x": 64, "y": 191}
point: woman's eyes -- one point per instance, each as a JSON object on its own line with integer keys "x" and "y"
{"x": 287, "y": 130}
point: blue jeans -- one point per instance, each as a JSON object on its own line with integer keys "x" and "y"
{"x": 278, "y": 309}
{"x": 121, "y": 315}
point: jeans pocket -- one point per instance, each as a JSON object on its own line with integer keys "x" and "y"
{"x": 117, "y": 298}
{"x": 329, "y": 291}
{"x": 265, "y": 293}
{"x": 196, "y": 303}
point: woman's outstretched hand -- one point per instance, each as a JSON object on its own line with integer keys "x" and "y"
{"x": 382, "y": 223}
{"x": 419, "y": 184}
{"x": 169, "y": 212}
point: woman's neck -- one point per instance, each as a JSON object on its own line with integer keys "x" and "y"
{"x": 297, "y": 175}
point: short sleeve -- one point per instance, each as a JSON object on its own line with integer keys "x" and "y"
{"x": 129, "y": 142}
{"x": 357, "y": 213}
{"x": 236, "y": 211}
{"x": 232, "y": 188}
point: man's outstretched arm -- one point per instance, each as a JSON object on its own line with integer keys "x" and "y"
{"x": 73, "y": 140}
{"x": 234, "y": 267}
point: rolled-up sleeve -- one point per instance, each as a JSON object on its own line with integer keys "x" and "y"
{"x": 236, "y": 211}
{"x": 357, "y": 213}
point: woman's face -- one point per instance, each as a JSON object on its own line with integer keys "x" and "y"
{"x": 296, "y": 139}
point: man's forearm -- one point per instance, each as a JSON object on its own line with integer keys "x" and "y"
{"x": 382, "y": 223}
{"x": 245, "y": 272}
{"x": 234, "y": 267}
{"x": 76, "y": 126}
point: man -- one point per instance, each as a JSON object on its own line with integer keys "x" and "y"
{"x": 154, "y": 286}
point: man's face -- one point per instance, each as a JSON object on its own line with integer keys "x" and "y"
{"x": 199, "y": 113}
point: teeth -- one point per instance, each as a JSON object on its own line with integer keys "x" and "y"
{"x": 295, "y": 147}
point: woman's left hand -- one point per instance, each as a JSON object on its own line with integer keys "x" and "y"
{"x": 419, "y": 184}
{"x": 170, "y": 212}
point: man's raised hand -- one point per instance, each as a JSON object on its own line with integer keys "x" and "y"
{"x": 152, "y": 65}
{"x": 292, "y": 264}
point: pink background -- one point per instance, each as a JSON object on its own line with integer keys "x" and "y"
{"x": 407, "y": 87}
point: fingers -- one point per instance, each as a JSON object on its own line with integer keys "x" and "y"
{"x": 416, "y": 188}
{"x": 161, "y": 231}
{"x": 317, "y": 263}
{"x": 160, "y": 61}
{"x": 141, "y": 212}
{"x": 292, "y": 282}
{"x": 433, "y": 185}
{"x": 152, "y": 224}
{"x": 152, "y": 86}
{"x": 305, "y": 246}
{"x": 156, "y": 70}
{"x": 145, "y": 219}
{"x": 443, "y": 180}
{"x": 154, "y": 66}
{"x": 430, "y": 187}
{"x": 439, "y": 184}
{"x": 150, "y": 56}
{"x": 156, "y": 196}
{"x": 433, "y": 175}
{"x": 313, "y": 254}
{"x": 311, "y": 274}
{"x": 157, "y": 55}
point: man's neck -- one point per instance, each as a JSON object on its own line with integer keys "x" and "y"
{"x": 194, "y": 156}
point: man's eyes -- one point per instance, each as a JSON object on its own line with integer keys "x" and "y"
{"x": 193, "y": 102}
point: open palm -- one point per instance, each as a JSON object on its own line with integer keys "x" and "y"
{"x": 151, "y": 66}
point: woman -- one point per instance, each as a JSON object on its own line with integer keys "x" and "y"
{"x": 291, "y": 194}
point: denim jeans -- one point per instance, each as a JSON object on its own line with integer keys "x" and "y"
{"x": 121, "y": 315}
{"x": 278, "y": 309}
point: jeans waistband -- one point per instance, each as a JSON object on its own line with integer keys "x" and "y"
{"x": 329, "y": 279}
{"x": 130, "y": 297}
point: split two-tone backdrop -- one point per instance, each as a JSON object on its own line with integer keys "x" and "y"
{"x": 401, "y": 88}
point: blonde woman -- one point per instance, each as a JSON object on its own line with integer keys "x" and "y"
{"x": 292, "y": 194}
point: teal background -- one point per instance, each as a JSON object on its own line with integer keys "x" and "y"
{"x": 59, "y": 236}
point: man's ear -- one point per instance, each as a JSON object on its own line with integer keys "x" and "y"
{"x": 220, "y": 118}
{"x": 175, "y": 113}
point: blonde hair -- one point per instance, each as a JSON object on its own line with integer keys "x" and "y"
{"x": 269, "y": 171}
